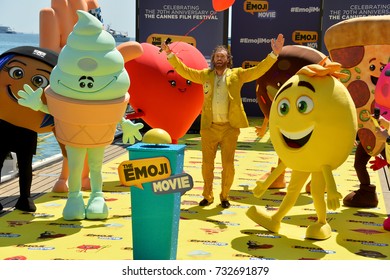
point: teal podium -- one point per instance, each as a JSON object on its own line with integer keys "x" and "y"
{"x": 155, "y": 217}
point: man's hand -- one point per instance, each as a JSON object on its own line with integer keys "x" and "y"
{"x": 56, "y": 22}
{"x": 277, "y": 44}
{"x": 165, "y": 46}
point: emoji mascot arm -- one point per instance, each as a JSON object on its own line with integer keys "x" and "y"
{"x": 333, "y": 196}
{"x": 262, "y": 186}
{"x": 130, "y": 131}
{"x": 32, "y": 99}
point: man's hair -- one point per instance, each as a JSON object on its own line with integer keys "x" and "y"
{"x": 229, "y": 55}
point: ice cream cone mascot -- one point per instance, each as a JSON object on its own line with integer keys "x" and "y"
{"x": 55, "y": 24}
{"x": 313, "y": 128}
{"x": 19, "y": 125}
{"x": 87, "y": 97}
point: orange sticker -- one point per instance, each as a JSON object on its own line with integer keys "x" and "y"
{"x": 300, "y": 37}
{"x": 255, "y": 6}
{"x": 157, "y": 39}
{"x": 139, "y": 171}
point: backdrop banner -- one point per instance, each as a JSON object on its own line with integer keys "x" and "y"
{"x": 196, "y": 19}
{"x": 256, "y": 22}
{"x": 335, "y": 11}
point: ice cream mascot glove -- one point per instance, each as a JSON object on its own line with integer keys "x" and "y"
{"x": 87, "y": 97}
{"x": 19, "y": 125}
{"x": 312, "y": 127}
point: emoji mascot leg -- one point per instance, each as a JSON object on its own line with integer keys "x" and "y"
{"x": 96, "y": 208}
{"x": 25, "y": 202}
{"x": 272, "y": 223}
{"x": 321, "y": 229}
{"x": 75, "y": 208}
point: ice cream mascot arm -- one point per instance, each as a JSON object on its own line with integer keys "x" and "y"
{"x": 308, "y": 140}
{"x": 88, "y": 98}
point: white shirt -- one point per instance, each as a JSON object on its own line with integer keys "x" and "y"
{"x": 220, "y": 99}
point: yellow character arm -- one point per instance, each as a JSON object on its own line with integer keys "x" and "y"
{"x": 262, "y": 186}
{"x": 333, "y": 196}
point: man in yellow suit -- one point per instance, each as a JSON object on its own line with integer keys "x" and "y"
{"x": 223, "y": 112}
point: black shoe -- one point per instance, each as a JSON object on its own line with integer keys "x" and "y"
{"x": 205, "y": 202}
{"x": 225, "y": 204}
{"x": 26, "y": 204}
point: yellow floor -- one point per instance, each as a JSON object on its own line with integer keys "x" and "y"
{"x": 209, "y": 233}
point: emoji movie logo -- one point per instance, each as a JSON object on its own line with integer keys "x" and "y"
{"x": 136, "y": 172}
{"x": 255, "y": 6}
{"x": 176, "y": 183}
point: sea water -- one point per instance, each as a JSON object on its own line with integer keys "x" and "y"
{"x": 9, "y": 41}
{"x": 47, "y": 144}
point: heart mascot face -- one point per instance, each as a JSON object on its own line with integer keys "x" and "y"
{"x": 166, "y": 100}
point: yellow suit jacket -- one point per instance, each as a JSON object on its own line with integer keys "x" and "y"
{"x": 235, "y": 78}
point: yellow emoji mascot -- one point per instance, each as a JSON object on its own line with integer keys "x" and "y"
{"x": 313, "y": 127}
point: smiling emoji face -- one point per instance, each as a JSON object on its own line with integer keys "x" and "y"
{"x": 20, "y": 66}
{"x": 313, "y": 120}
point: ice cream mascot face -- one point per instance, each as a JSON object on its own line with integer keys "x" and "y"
{"x": 89, "y": 66}
{"x": 312, "y": 120}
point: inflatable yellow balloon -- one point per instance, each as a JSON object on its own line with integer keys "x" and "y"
{"x": 313, "y": 126}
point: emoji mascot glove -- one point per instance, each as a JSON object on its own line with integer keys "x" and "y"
{"x": 88, "y": 98}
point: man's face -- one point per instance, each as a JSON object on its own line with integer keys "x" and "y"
{"x": 220, "y": 59}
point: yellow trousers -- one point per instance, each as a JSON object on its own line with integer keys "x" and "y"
{"x": 224, "y": 136}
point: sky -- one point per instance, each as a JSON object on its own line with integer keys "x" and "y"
{"x": 23, "y": 15}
